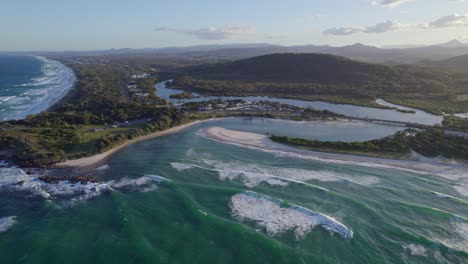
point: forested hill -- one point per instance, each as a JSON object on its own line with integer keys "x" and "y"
{"x": 327, "y": 77}
{"x": 324, "y": 69}
{"x": 294, "y": 68}
{"x": 459, "y": 63}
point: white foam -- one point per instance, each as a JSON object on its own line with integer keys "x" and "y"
{"x": 14, "y": 179}
{"x": 454, "y": 172}
{"x": 4, "y": 99}
{"x": 42, "y": 92}
{"x": 462, "y": 189}
{"x": 442, "y": 195}
{"x": 183, "y": 166}
{"x": 251, "y": 180}
{"x": 416, "y": 250}
{"x": 253, "y": 174}
{"x": 136, "y": 182}
{"x": 6, "y": 223}
{"x": 459, "y": 241}
{"x": 268, "y": 213}
{"x": 103, "y": 167}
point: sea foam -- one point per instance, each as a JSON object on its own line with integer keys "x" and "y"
{"x": 462, "y": 189}
{"x": 459, "y": 238}
{"x": 15, "y": 179}
{"x": 270, "y": 214}
{"x": 6, "y": 223}
{"x": 253, "y": 174}
{"x": 416, "y": 250}
{"x": 39, "y": 93}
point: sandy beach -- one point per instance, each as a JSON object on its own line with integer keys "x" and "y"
{"x": 93, "y": 161}
{"x": 263, "y": 143}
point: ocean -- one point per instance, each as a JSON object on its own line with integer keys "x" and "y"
{"x": 186, "y": 198}
{"x": 30, "y": 85}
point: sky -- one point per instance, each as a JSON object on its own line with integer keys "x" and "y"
{"x": 56, "y": 25}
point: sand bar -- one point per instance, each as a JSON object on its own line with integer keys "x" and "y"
{"x": 421, "y": 165}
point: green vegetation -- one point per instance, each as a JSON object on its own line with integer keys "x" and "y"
{"x": 146, "y": 88}
{"x": 396, "y": 144}
{"x": 98, "y": 114}
{"x": 430, "y": 142}
{"x": 455, "y": 123}
{"x": 183, "y": 95}
{"x": 95, "y": 116}
{"x": 329, "y": 78}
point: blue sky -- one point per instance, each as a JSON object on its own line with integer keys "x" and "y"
{"x": 104, "y": 24}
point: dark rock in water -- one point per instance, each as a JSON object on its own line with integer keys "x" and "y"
{"x": 76, "y": 179}
{"x": 20, "y": 183}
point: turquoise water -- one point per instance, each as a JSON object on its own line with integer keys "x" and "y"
{"x": 221, "y": 203}
{"x": 29, "y": 85}
{"x": 418, "y": 117}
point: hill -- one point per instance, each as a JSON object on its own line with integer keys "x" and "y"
{"x": 292, "y": 68}
{"x": 459, "y": 63}
{"x": 330, "y": 78}
{"x": 390, "y": 55}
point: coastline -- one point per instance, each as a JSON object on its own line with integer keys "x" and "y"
{"x": 96, "y": 160}
{"x": 41, "y": 93}
{"x": 92, "y": 162}
{"x": 263, "y": 143}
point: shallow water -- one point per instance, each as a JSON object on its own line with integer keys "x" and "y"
{"x": 300, "y": 211}
{"x": 419, "y": 117}
{"x": 29, "y": 85}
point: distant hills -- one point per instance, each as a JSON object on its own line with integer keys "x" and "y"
{"x": 453, "y": 44}
{"x": 459, "y": 63}
{"x": 407, "y": 54}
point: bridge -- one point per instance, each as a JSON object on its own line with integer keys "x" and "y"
{"x": 389, "y": 122}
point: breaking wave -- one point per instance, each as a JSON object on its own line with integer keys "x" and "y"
{"x": 38, "y": 94}
{"x": 460, "y": 240}
{"x": 451, "y": 171}
{"x": 15, "y": 179}
{"x": 462, "y": 189}
{"x": 6, "y": 223}
{"x": 252, "y": 174}
{"x": 276, "y": 219}
{"x": 416, "y": 250}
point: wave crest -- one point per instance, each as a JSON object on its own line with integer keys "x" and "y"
{"x": 276, "y": 219}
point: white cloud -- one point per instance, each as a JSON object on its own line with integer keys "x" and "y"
{"x": 396, "y": 3}
{"x": 388, "y": 26}
{"x": 454, "y": 20}
{"x": 212, "y": 33}
{"x": 390, "y": 3}
{"x": 276, "y": 37}
{"x": 342, "y": 31}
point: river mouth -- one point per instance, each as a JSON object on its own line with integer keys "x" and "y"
{"x": 212, "y": 198}
{"x": 452, "y": 170}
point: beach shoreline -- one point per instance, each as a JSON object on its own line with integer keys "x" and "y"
{"x": 263, "y": 143}
{"x": 92, "y": 162}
